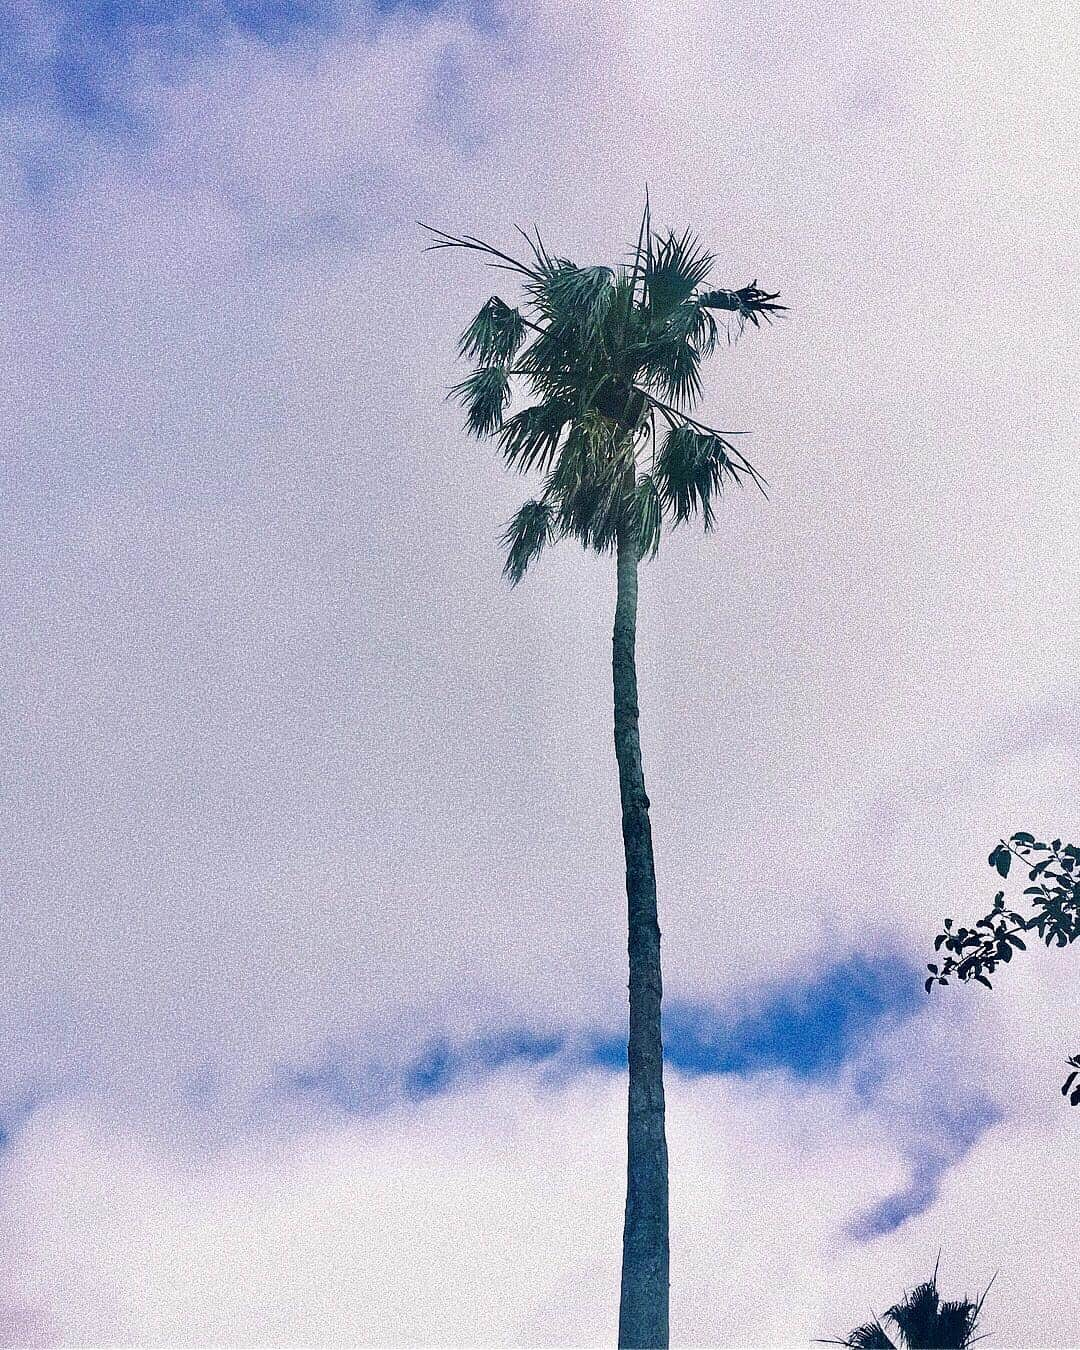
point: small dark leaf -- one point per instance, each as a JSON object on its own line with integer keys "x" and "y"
{"x": 1000, "y": 859}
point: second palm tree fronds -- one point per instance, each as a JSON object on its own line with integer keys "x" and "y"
{"x": 922, "y": 1320}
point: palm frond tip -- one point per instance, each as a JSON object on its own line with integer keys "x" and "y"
{"x": 484, "y": 395}
{"x": 495, "y": 335}
{"x": 525, "y": 538}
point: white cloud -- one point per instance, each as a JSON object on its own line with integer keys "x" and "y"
{"x": 492, "y": 1217}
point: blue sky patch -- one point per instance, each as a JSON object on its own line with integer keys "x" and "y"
{"x": 809, "y": 1029}
{"x": 85, "y": 60}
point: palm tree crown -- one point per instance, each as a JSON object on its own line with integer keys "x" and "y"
{"x": 611, "y": 360}
{"x": 923, "y": 1321}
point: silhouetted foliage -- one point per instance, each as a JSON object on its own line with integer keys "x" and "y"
{"x": 1053, "y": 902}
{"x": 611, "y": 359}
{"x": 922, "y": 1321}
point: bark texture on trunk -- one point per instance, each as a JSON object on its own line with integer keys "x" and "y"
{"x": 643, "y": 1304}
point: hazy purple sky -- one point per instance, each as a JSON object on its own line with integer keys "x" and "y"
{"x": 309, "y": 849}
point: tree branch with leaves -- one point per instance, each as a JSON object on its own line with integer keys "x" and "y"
{"x": 1052, "y": 902}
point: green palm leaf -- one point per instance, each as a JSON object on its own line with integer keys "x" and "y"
{"x": 484, "y": 395}
{"x": 575, "y": 297}
{"x": 494, "y": 335}
{"x": 673, "y": 271}
{"x": 691, "y": 468}
{"x": 551, "y": 364}
{"x": 693, "y": 322}
{"x": 649, "y": 510}
{"x": 671, "y": 365}
{"x": 525, "y": 538}
{"x": 529, "y": 439}
{"x": 590, "y": 482}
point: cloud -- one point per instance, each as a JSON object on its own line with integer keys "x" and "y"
{"x": 491, "y": 1216}
{"x": 447, "y": 1223}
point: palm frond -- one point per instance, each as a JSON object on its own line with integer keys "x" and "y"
{"x": 640, "y": 262}
{"x": 693, "y": 322}
{"x": 575, "y": 297}
{"x": 440, "y": 239}
{"x": 670, "y": 360}
{"x": 494, "y": 335}
{"x": 748, "y": 302}
{"x": 671, "y": 365}
{"x": 484, "y": 394}
{"x": 917, "y": 1317}
{"x": 592, "y": 513}
{"x": 870, "y": 1336}
{"x": 529, "y": 439}
{"x": 956, "y": 1322}
{"x": 532, "y": 528}
{"x": 674, "y": 270}
{"x": 589, "y": 481}
{"x": 552, "y": 363}
{"x": 691, "y": 468}
{"x": 674, "y": 417}
{"x": 928, "y": 1323}
{"x": 619, "y": 320}
{"x": 649, "y": 512}
{"x": 585, "y": 456}
{"x": 546, "y": 263}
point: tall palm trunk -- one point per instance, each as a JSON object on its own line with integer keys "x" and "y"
{"x": 643, "y": 1305}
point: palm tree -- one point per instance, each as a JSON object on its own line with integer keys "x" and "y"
{"x": 923, "y": 1322}
{"x": 610, "y": 359}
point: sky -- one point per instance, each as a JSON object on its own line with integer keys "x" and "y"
{"x": 312, "y": 981}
